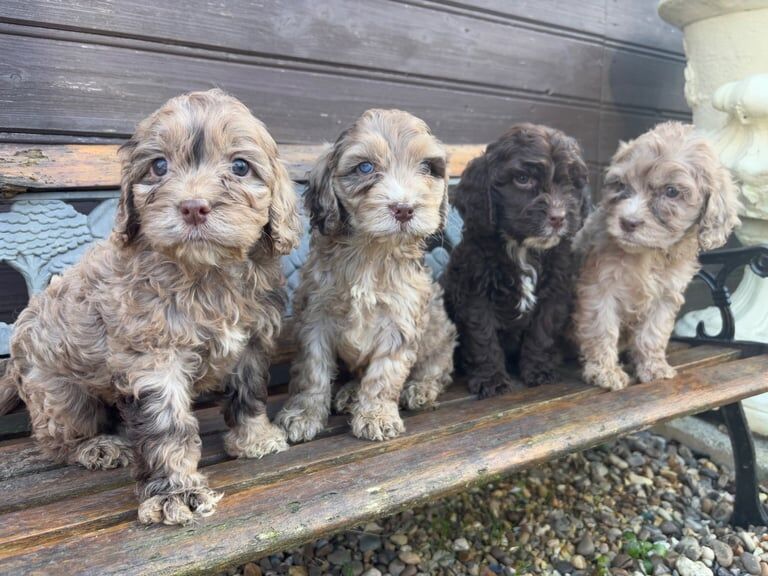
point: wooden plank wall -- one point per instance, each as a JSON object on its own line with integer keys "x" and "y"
{"x": 88, "y": 70}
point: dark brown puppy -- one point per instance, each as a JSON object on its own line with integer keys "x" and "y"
{"x": 508, "y": 285}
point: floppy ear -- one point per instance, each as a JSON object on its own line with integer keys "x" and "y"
{"x": 721, "y": 205}
{"x": 579, "y": 174}
{"x": 320, "y": 200}
{"x": 284, "y": 226}
{"x": 472, "y": 196}
{"x": 127, "y": 222}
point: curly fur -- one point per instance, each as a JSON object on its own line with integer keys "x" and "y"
{"x": 666, "y": 197}
{"x": 508, "y": 284}
{"x": 365, "y": 295}
{"x": 165, "y": 309}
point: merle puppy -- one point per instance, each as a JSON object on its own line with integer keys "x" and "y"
{"x": 508, "y": 285}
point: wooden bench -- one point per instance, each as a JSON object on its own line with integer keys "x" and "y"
{"x": 67, "y": 520}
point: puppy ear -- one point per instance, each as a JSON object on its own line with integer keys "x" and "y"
{"x": 472, "y": 196}
{"x": 127, "y": 222}
{"x": 284, "y": 227}
{"x": 721, "y": 203}
{"x": 320, "y": 200}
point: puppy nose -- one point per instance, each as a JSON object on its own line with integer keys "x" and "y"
{"x": 194, "y": 211}
{"x": 556, "y": 219}
{"x": 629, "y": 225}
{"x": 401, "y": 212}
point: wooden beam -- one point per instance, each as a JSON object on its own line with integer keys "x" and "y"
{"x": 37, "y": 168}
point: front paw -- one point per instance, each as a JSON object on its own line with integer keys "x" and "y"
{"x": 485, "y": 385}
{"x": 254, "y": 438}
{"x": 179, "y": 507}
{"x": 104, "y": 452}
{"x": 379, "y": 421}
{"x": 649, "y": 371}
{"x": 346, "y": 397}
{"x": 420, "y": 395}
{"x": 537, "y": 376}
{"x": 303, "y": 417}
{"x": 608, "y": 377}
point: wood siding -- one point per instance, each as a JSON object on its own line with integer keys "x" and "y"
{"x": 89, "y": 70}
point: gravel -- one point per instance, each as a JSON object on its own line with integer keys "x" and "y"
{"x": 641, "y": 505}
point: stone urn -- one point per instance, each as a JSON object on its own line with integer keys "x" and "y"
{"x": 726, "y": 86}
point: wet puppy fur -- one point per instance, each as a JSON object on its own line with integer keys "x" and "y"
{"x": 184, "y": 297}
{"x": 666, "y": 197}
{"x": 366, "y": 300}
{"x": 509, "y": 283}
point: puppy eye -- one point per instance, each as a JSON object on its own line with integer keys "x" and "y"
{"x": 434, "y": 167}
{"x": 522, "y": 179}
{"x": 671, "y": 192}
{"x": 240, "y": 167}
{"x": 364, "y": 167}
{"x": 159, "y": 167}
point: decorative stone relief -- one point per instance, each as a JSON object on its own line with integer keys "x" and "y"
{"x": 43, "y": 238}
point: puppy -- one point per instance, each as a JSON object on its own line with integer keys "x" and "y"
{"x": 666, "y": 197}
{"x": 365, "y": 294}
{"x": 184, "y": 297}
{"x": 508, "y": 284}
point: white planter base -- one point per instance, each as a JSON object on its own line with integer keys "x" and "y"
{"x": 749, "y": 304}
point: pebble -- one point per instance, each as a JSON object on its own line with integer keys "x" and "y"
{"x": 750, "y": 563}
{"x": 670, "y": 528}
{"x": 723, "y": 553}
{"x": 690, "y": 547}
{"x": 252, "y": 569}
{"x": 340, "y": 556}
{"x": 372, "y": 572}
{"x": 297, "y": 571}
{"x": 460, "y": 545}
{"x": 409, "y": 557}
{"x": 750, "y": 542}
{"x": 586, "y": 545}
{"x": 579, "y": 562}
{"x": 687, "y": 567}
{"x": 399, "y": 539}
{"x": 369, "y": 542}
{"x": 396, "y": 567}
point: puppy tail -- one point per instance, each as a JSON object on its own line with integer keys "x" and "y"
{"x": 9, "y": 393}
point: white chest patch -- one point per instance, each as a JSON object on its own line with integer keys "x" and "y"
{"x": 528, "y": 276}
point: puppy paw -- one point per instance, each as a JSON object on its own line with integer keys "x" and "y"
{"x": 538, "y": 376}
{"x": 486, "y": 386}
{"x": 647, "y": 372}
{"x": 179, "y": 507}
{"x": 378, "y": 422}
{"x": 346, "y": 397}
{"x": 303, "y": 417}
{"x": 610, "y": 378}
{"x": 419, "y": 395}
{"x": 103, "y": 452}
{"x": 255, "y": 438}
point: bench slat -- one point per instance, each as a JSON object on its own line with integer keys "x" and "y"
{"x": 30, "y": 168}
{"x": 21, "y": 529}
{"x": 266, "y": 518}
{"x": 27, "y": 477}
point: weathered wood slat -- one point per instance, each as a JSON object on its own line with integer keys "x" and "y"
{"x": 25, "y": 168}
{"x": 264, "y": 518}
{"x": 26, "y": 527}
{"x": 24, "y": 458}
{"x": 32, "y": 480}
{"x": 348, "y": 34}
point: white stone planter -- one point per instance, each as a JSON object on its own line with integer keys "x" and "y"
{"x": 726, "y": 86}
